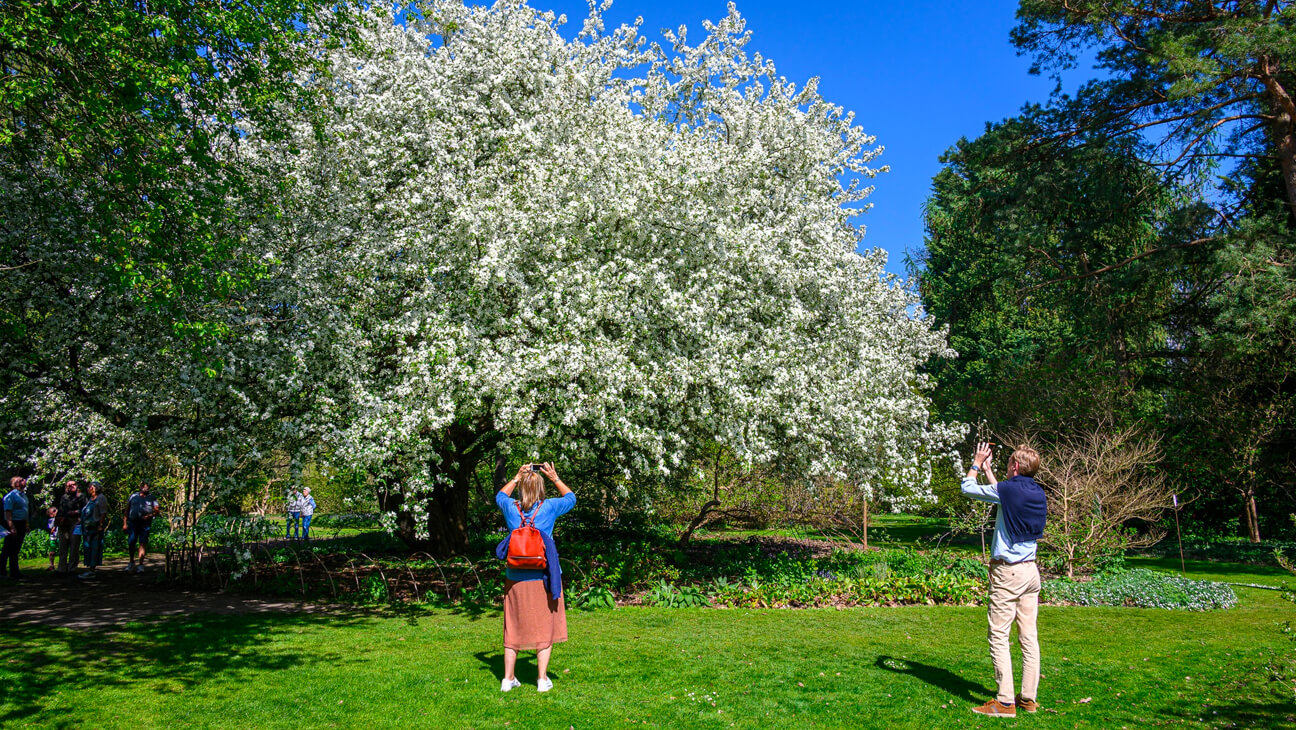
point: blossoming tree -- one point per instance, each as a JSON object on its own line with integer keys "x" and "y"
{"x": 595, "y": 245}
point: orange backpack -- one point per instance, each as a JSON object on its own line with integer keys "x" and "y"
{"x": 526, "y": 545}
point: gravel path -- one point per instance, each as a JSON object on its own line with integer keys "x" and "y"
{"x": 114, "y": 597}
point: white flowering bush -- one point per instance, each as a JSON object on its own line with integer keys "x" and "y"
{"x": 1142, "y": 588}
{"x": 595, "y": 248}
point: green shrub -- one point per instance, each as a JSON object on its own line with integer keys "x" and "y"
{"x": 1141, "y": 588}
{"x": 594, "y": 597}
{"x": 666, "y": 595}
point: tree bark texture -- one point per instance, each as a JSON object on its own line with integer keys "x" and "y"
{"x": 460, "y": 452}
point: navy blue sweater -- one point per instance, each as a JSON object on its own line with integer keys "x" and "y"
{"x": 1025, "y": 508}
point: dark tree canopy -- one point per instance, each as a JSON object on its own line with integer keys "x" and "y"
{"x": 1126, "y": 255}
{"x": 1209, "y": 82}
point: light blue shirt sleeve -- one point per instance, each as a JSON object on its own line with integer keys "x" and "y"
{"x": 983, "y": 492}
{"x": 562, "y": 505}
{"x": 16, "y": 503}
{"x": 507, "y": 506}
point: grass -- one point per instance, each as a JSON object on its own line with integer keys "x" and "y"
{"x": 885, "y": 530}
{"x": 916, "y": 667}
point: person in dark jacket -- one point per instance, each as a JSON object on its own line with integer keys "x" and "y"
{"x": 69, "y": 527}
{"x": 535, "y": 617}
{"x": 1014, "y": 575}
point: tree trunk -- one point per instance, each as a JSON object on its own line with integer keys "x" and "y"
{"x": 1282, "y": 127}
{"x": 1253, "y": 519}
{"x": 447, "y": 518}
{"x": 447, "y": 507}
{"x": 698, "y": 522}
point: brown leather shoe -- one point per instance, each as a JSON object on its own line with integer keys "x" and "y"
{"x": 995, "y": 708}
{"x": 1027, "y": 705}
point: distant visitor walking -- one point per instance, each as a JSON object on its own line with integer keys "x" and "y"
{"x": 141, "y": 508}
{"x": 293, "y": 503}
{"x": 534, "y": 615}
{"x": 307, "y": 505}
{"x": 52, "y": 528}
{"x": 94, "y": 520}
{"x": 1014, "y": 575}
{"x": 69, "y": 527}
{"x": 16, "y": 508}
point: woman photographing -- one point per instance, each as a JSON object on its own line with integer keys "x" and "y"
{"x": 534, "y": 615}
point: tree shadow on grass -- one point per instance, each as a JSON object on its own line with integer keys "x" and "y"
{"x": 474, "y": 611}
{"x": 170, "y": 655}
{"x": 940, "y": 678}
{"x": 1278, "y": 713}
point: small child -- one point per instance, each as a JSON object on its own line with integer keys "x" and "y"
{"x": 53, "y": 531}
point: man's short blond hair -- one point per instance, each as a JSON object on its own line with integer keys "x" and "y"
{"x": 1028, "y": 461}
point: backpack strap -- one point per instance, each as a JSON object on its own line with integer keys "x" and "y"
{"x": 528, "y": 521}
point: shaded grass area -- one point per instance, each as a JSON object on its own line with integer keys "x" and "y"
{"x": 1267, "y": 575}
{"x": 912, "y": 667}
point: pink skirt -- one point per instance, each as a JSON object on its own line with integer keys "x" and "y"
{"x": 532, "y": 620}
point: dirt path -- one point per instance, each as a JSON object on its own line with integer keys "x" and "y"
{"x": 115, "y": 597}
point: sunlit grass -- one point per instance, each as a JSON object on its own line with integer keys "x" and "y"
{"x": 914, "y": 667}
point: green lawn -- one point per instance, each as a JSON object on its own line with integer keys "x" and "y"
{"x": 916, "y": 667}
{"x": 885, "y": 530}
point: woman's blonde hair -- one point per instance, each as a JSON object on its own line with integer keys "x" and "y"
{"x": 532, "y": 488}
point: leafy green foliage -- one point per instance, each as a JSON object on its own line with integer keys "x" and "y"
{"x": 594, "y": 597}
{"x": 1207, "y": 81}
{"x": 132, "y": 109}
{"x": 665, "y": 595}
{"x": 1015, "y": 237}
{"x": 1125, "y": 256}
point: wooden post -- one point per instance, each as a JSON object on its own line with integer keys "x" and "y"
{"x": 1182, "y": 569}
{"x": 865, "y": 526}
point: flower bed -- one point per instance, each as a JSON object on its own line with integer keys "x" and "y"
{"x": 1141, "y": 588}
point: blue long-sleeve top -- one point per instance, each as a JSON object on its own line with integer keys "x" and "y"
{"x": 546, "y": 513}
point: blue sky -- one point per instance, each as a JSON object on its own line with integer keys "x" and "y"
{"x": 918, "y": 74}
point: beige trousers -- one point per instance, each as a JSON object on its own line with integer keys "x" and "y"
{"x": 1014, "y": 596}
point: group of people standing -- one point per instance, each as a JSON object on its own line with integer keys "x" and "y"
{"x": 76, "y": 524}
{"x": 301, "y": 508}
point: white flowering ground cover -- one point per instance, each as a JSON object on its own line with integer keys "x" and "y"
{"x": 911, "y": 667}
{"x": 1142, "y": 588}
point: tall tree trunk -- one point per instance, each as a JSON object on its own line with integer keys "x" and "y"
{"x": 1282, "y": 127}
{"x": 446, "y": 524}
{"x": 447, "y": 515}
{"x": 1253, "y": 519}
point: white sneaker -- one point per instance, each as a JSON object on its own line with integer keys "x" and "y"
{"x": 544, "y": 685}
{"x": 130, "y": 568}
{"x": 139, "y": 568}
{"x": 86, "y": 574}
{"x": 508, "y": 684}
